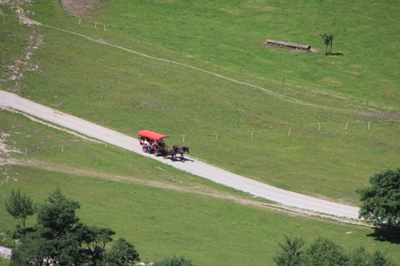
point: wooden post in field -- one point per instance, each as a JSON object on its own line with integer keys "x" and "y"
{"x": 289, "y": 132}
{"x": 26, "y": 151}
{"x": 345, "y": 128}
{"x": 62, "y": 148}
{"x": 95, "y": 25}
{"x": 105, "y": 28}
{"x": 369, "y": 124}
{"x": 183, "y": 139}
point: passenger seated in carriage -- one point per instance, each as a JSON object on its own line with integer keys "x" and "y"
{"x": 160, "y": 143}
{"x": 152, "y": 145}
{"x": 146, "y": 142}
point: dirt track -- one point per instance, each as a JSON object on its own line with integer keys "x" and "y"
{"x": 193, "y": 166}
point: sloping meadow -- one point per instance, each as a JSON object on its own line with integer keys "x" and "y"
{"x": 161, "y": 210}
{"x": 199, "y": 73}
{"x": 273, "y": 124}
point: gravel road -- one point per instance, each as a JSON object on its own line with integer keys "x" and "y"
{"x": 284, "y": 197}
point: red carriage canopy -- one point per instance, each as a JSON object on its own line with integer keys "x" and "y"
{"x": 151, "y": 135}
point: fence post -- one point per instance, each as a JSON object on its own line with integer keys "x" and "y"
{"x": 345, "y": 128}
{"x": 289, "y": 132}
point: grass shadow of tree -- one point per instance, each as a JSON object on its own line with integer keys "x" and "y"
{"x": 337, "y": 53}
{"x": 382, "y": 235}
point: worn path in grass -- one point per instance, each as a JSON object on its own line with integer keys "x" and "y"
{"x": 194, "y": 166}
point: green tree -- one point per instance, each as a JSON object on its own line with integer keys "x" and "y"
{"x": 361, "y": 257}
{"x": 96, "y": 239}
{"x": 60, "y": 235}
{"x": 379, "y": 259}
{"x": 181, "y": 261}
{"x": 122, "y": 253}
{"x": 327, "y": 40}
{"x": 381, "y": 201}
{"x": 57, "y": 215}
{"x": 324, "y": 252}
{"x": 33, "y": 250}
{"x": 19, "y": 206}
{"x": 291, "y": 253}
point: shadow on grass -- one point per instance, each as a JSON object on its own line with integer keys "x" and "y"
{"x": 336, "y": 53}
{"x": 382, "y": 235}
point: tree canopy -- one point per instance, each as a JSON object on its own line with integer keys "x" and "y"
{"x": 121, "y": 253}
{"x": 174, "y": 261}
{"x": 381, "y": 201}
{"x": 19, "y": 206}
{"x": 291, "y": 253}
{"x": 60, "y": 236}
{"x": 327, "y": 40}
{"x": 324, "y": 252}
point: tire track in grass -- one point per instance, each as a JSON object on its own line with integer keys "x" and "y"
{"x": 276, "y": 95}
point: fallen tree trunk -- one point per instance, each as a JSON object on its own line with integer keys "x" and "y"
{"x": 287, "y": 44}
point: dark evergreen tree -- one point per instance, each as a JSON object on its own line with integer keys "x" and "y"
{"x": 60, "y": 237}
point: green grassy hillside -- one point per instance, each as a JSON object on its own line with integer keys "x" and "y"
{"x": 265, "y": 113}
{"x": 159, "y": 209}
{"x": 198, "y": 72}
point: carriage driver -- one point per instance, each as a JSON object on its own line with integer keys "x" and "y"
{"x": 160, "y": 143}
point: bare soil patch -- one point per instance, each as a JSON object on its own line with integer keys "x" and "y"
{"x": 80, "y": 8}
{"x": 6, "y": 150}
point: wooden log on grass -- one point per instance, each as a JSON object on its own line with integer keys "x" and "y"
{"x": 291, "y": 45}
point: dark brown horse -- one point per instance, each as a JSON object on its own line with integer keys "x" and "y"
{"x": 165, "y": 151}
{"x": 181, "y": 150}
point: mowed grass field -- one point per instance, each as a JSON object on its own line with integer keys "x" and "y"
{"x": 198, "y": 71}
{"x": 159, "y": 209}
{"x": 304, "y": 122}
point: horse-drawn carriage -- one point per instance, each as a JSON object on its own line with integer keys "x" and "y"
{"x": 153, "y": 142}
